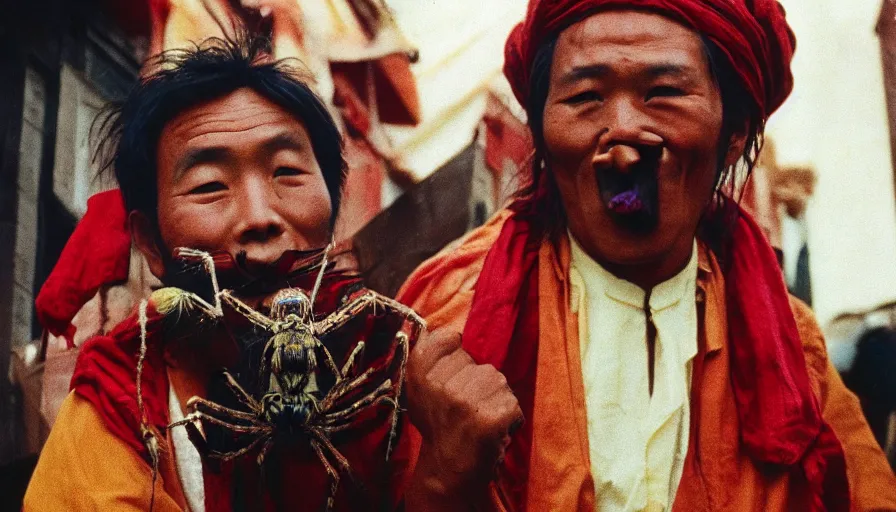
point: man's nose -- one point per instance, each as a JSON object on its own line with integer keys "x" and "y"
{"x": 259, "y": 218}
{"x": 627, "y": 130}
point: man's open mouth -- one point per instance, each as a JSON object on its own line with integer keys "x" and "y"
{"x": 632, "y": 195}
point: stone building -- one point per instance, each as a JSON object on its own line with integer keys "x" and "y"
{"x": 60, "y": 63}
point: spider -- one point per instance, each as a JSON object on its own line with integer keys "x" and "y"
{"x": 291, "y": 357}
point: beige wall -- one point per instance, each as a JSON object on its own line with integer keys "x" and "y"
{"x": 836, "y": 121}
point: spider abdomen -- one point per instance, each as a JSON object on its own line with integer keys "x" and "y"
{"x": 290, "y": 414}
{"x": 293, "y": 359}
{"x": 293, "y": 351}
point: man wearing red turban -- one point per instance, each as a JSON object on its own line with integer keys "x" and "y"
{"x": 620, "y": 337}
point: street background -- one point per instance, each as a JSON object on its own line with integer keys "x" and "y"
{"x": 435, "y": 144}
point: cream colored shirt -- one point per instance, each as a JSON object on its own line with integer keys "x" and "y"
{"x": 187, "y": 459}
{"x": 637, "y": 441}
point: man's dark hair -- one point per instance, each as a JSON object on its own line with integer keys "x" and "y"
{"x": 189, "y": 77}
{"x": 740, "y": 116}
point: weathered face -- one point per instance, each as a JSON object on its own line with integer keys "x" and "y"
{"x": 632, "y": 126}
{"x": 237, "y": 174}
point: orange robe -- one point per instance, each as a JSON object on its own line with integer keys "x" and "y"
{"x": 718, "y": 475}
{"x": 84, "y": 466}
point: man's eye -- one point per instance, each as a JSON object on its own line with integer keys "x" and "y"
{"x": 583, "y": 97}
{"x": 664, "y": 91}
{"x": 287, "y": 171}
{"x": 208, "y": 188}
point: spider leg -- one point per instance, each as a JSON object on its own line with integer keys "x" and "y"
{"x": 402, "y": 340}
{"x": 209, "y": 263}
{"x": 350, "y": 362}
{"x": 359, "y": 405}
{"x": 244, "y": 429}
{"x": 241, "y": 393}
{"x": 345, "y": 387}
{"x": 341, "y": 316}
{"x": 325, "y": 442}
{"x": 369, "y": 299}
{"x": 244, "y": 309}
{"x": 196, "y": 401}
{"x": 320, "y": 274}
{"x": 337, "y": 428}
{"x": 331, "y": 363}
{"x": 345, "y": 421}
{"x": 382, "y": 300}
{"x": 334, "y": 475}
{"x": 264, "y": 450}
{"x": 171, "y": 300}
{"x": 226, "y": 456}
{"x": 188, "y": 420}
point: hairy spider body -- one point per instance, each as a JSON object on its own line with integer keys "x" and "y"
{"x": 290, "y": 414}
{"x": 292, "y": 408}
{"x": 292, "y": 356}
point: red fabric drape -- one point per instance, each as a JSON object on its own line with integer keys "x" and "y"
{"x": 98, "y": 253}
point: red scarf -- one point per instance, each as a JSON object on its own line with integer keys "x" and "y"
{"x": 780, "y": 417}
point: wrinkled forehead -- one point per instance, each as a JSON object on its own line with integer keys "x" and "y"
{"x": 629, "y": 38}
{"x": 241, "y": 127}
{"x": 236, "y": 116}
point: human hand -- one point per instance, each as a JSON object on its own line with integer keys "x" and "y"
{"x": 464, "y": 411}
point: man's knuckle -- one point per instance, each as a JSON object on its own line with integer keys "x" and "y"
{"x": 485, "y": 372}
{"x": 445, "y": 339}
{"x": 489, "y": 367}
{"x": 436, "y": 386}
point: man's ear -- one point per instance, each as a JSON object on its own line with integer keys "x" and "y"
{"x": 145, "y": 237}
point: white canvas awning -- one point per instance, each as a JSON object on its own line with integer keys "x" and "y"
{"x": 461, "y": 45}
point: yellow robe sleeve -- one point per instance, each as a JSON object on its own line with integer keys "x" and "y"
{"x": 872, "y": 484}
{"x": 83, "y": 466}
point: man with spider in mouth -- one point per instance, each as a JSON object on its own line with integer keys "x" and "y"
{"x": 620, "y": 337}
{"x": 230, "y": 170}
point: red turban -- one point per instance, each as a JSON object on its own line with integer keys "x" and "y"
{"x": 753, "y": 34}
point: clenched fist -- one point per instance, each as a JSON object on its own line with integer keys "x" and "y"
{"x": 465, "y": 412}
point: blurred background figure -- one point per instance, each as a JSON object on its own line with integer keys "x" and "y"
{"x": 778, "y": 196}
{"x": 862, "y": 346}
{"x": 792, "y": 189}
